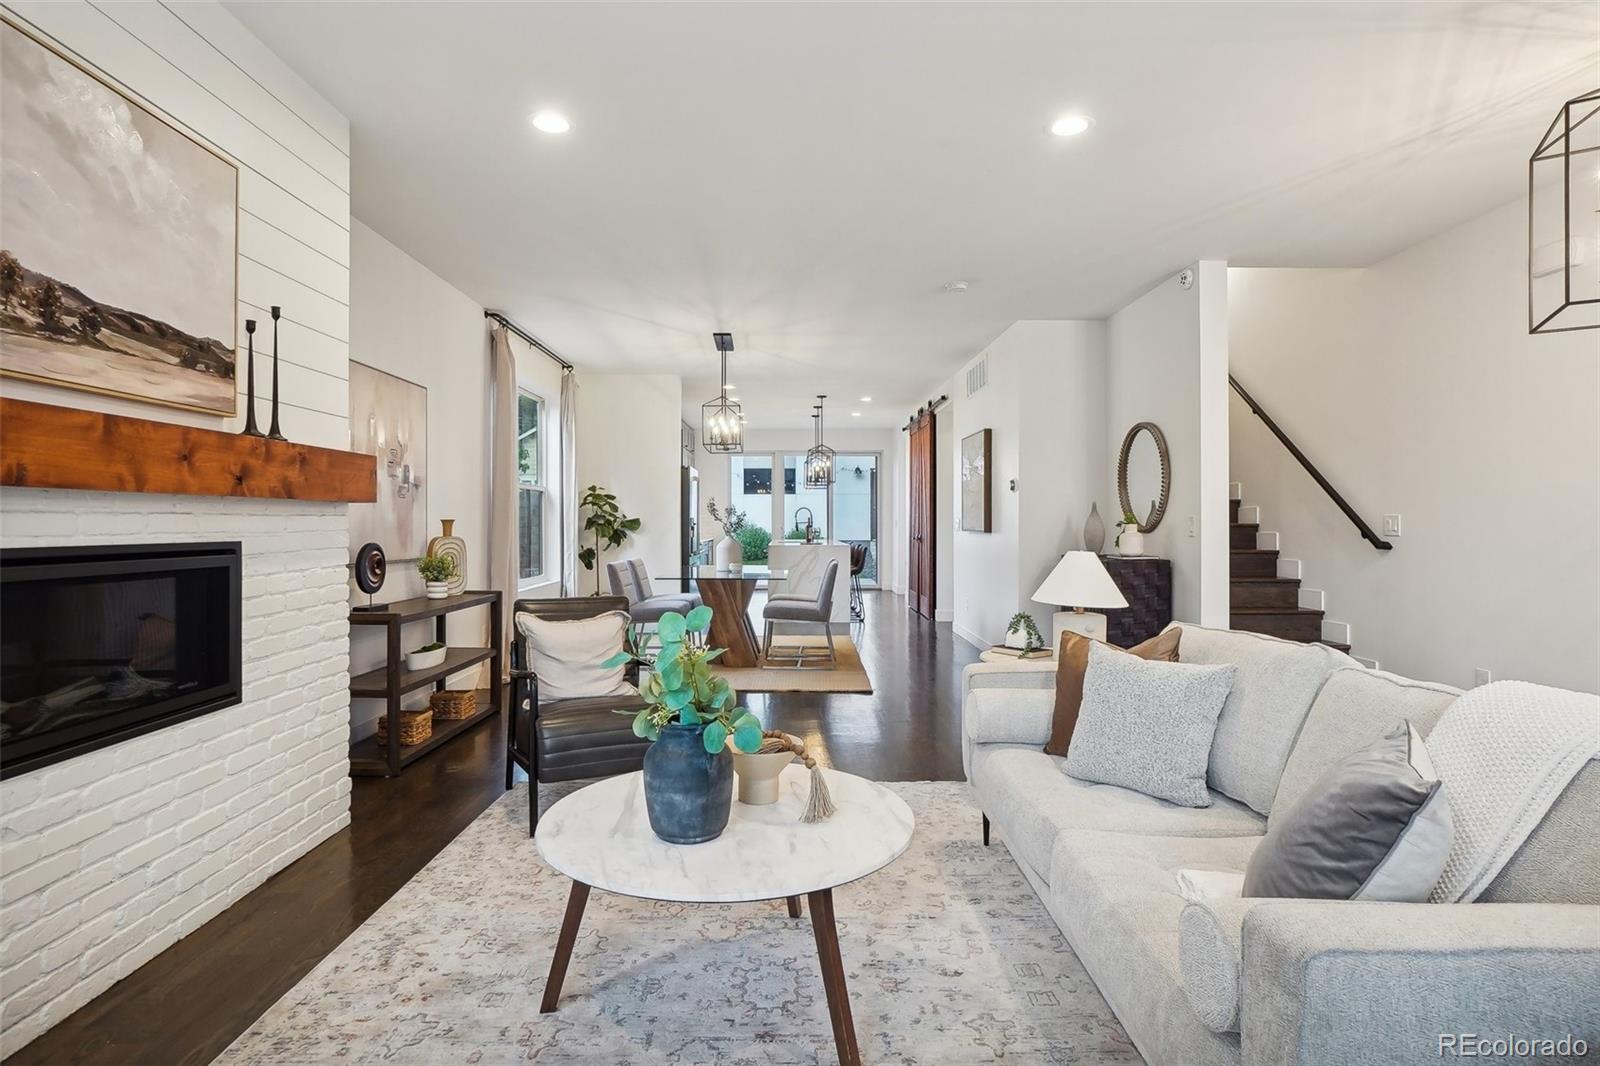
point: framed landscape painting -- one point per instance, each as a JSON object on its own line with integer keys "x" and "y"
{"x": 118, "y": 240}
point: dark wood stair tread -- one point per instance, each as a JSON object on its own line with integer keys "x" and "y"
{"x": 1301, "y": 611}
{"x": 1336, "y": 645}
{"x": 1254, "y": 551}
{"x": 1259, "y": 579}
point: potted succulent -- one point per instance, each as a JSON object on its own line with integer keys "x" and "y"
{"x": 1129, "y": 540}
{"x": 690, "y": 715}
{"x": 436, "y": 571}
{"x": 1023, "y": 633}
{"x": 425, "y": 657}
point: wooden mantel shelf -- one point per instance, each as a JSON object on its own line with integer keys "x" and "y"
{"x": 49, "y": 447}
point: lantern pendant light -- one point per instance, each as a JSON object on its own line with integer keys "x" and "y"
{"x": 819, "y": 460}
{"x": 722, "y": 419}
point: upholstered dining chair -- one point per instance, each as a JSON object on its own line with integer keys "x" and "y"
{"x": 809, "y": 611}
{"x": 630, "y": 579}
{"x": 567, "y": 739}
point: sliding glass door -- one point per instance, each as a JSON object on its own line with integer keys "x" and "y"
{"x": 781, "y": 507}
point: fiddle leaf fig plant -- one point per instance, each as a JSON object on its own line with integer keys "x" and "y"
{"x": 681, "y": 688}
{"x": 608, "y": 524}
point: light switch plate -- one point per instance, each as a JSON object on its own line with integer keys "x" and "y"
{"x": 1391, "y": 525}
{"x": 1194, "y": 526}
{"x": 1481, "y": 676}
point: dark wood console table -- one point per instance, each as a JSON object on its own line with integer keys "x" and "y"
{"x": 392, "y": 680}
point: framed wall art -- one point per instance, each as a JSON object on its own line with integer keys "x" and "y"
{"x": 976, "y": 513}
{"x": 118, "y": 239}
{"x": 389, "y": 419}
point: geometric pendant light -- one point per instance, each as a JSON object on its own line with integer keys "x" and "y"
{"x": 722, "y": 419}
{"x": 819, "y": 460}
{"x": 1564, "y": 221}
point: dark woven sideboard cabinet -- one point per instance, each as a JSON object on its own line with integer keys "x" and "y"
{"x": 1146, "y": 583}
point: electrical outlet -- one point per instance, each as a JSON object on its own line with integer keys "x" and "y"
{"x": 1194, "y": 526}
{"x": 1391, "y": 525}
{"x": 1481, "y": 676}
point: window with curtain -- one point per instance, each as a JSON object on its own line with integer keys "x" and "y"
{"x": 530, "y": 486}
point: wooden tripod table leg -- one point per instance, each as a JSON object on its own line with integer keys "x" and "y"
{"x": 844, "y": 1029}
{"x": 794, "y": 906}
{"x": 569, "y": 935}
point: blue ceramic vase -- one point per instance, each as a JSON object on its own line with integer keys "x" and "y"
{"x": 688, "y": 791}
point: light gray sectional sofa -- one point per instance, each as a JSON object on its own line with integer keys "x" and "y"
{"x": 1283, "y": 981}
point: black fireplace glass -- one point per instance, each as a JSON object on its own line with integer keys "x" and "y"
{"x": 102, "y": 643}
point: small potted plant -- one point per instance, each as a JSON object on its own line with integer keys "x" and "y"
{"x": 728, "y": 553}
{"x": 436, "y": 571}
{"x": 689, "y": 716}
{"x": 425, "y": 657}
{"x": 1129, "y": 540}
{"x": 1023, "y": 633}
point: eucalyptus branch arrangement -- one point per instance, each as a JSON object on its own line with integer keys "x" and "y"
{"x": 732, "y": 520}
{"x": 682, "y": 689}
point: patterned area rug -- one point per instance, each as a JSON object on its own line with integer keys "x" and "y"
{"x": 950, "y": 957}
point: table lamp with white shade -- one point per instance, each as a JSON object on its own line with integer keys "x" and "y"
{"x": 1079, "y": 580}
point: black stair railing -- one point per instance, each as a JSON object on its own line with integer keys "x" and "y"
{"x": 1366, "y": 531}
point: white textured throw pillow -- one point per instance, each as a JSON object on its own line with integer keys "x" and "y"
{"x": 1148, "y": 725}
{"x": 566, "y": 654}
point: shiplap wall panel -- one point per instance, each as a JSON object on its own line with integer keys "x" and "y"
{"x": 279, "y": 207}
{"x": 159, "y": 27}
{"x": 199, "y": 68}
{"x": 274, "y": 248}
{"x": 229, "y": 36}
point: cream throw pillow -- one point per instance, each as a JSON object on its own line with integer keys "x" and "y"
{"x": 567, "y": 654}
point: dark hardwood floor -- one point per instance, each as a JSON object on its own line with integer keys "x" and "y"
{"x": 192, "y": 1000}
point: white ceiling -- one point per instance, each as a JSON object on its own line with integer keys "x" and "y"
{"x": 808, "y": 176}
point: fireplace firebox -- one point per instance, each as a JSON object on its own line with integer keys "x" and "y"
{"x": 102, "y": 643}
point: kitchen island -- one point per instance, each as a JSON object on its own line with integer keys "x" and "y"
{"x": 804, "y": 564}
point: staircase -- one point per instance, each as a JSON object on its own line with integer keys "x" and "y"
{"x": 1260, "y": 599}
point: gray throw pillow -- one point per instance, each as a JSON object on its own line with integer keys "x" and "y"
{"x": 1148, "y": 725}
{"x": 1377, "y": 826}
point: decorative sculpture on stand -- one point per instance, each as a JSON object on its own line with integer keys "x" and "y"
{"x": 370, "y": 567}
{"x": 275, "y": 433}
{"x": 250, "y": 427}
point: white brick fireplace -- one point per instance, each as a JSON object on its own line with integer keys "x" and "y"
{"x": 109, "y": 858}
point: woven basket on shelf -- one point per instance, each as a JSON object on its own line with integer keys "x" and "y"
{"x": 452, "y": 705}
{"x": 415, "y": 727}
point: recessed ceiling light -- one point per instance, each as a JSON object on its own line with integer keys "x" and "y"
{"x": 866, "y": 399}
{"x": 955, "y": 286}
{"x": 551, "y": 122}
{"x": 1070, "y": 125}
{"x": 855, "y": 414}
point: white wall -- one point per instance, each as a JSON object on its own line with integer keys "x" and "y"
{"x": 198, "y": 67}
{"x": 1043, "y": 405}
{"x": 1167, "y": 364}
{"x": 109, "y": 858}
{"x": 407, "y": 321}
{"x": 1415, "y": 387}
{"x": 628, "y": 442}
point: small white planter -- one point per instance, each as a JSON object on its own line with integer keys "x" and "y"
{"x": 758, "y": 775}
{"x": 424, "y": 660}
{"x": 437, "y": 590}
{"x": 728, "y": 555}
{"x": 1131, "y": 542}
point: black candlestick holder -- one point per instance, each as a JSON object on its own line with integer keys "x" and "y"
{"x": 274, "y": 433}
{"x": 250, "y": 427}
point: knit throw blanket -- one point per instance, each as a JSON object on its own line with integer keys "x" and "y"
{"x": 1505, "y": 752}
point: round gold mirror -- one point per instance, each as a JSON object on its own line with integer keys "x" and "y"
{"x": 1144, "y": 474}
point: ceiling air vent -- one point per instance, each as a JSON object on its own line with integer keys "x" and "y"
{"x": 978, "y": 375}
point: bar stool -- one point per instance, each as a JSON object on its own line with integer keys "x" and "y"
{"x": 858, "y": 563}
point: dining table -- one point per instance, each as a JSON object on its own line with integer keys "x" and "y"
{"x": 728, "y": 593}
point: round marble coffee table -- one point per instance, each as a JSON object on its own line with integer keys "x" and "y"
{"x": 600, "y": 837}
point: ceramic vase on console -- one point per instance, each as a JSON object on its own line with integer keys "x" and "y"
{"x": 688, "y": 791}
{"x": 452, "y": 547}
{"x": 1094, "y": 530}
{"x": 437, "y": 590}
{"x": 728, "y": 554}
{"x": 758, "y": 774}
{"x": 1130, "y": 541}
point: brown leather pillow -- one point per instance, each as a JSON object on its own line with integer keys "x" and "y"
{"x": 1073, "y": 660}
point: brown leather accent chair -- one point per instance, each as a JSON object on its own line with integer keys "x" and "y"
{"x": 572, "y": 739}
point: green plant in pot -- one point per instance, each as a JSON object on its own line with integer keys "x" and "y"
{"x": 436, "y": 572}
{"x": 689, "y": 715}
